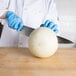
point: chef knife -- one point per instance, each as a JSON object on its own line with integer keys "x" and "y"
{"x": 27, "y": 31}
{"x": 1, "y": 29}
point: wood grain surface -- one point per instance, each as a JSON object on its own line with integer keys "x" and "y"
{"x": 20, "y": 62}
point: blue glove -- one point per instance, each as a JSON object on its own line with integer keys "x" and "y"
{"x": 51, "y": 25}
{"x": 14, "y": 21}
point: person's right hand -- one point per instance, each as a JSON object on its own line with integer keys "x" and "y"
{"x": 14, "y": 21}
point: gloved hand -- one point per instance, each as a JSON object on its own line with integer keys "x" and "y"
{"x": 14, "y": 21}
{"x": 51, "y": 25}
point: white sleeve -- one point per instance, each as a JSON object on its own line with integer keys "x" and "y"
{"x": 52, "y": 14}
{"x": 12, "y": 5}
{"x": 3, "y": 6}
{"x": 7, "y": 5}
{"x": 19, "y": 7}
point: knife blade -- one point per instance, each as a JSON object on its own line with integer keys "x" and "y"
{"x": 63, "y": 40}
{"x": 27, "y": 31}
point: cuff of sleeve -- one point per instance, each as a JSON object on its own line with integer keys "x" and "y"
{"x": 2, "y": 12}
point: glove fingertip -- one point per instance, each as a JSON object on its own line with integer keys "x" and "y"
{"x": 46, "y": 23}
{"x": 56, "y": 30}
{"x": 20, "y": 28}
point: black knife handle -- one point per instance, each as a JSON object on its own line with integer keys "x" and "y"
{"x": 1, "y": 29}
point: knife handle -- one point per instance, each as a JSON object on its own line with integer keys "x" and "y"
{"x": 1, "y": 29}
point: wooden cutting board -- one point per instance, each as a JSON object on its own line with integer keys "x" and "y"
{"x": 20, "y": 62}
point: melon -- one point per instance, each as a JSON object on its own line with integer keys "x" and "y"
{"x": 43, "y": 42}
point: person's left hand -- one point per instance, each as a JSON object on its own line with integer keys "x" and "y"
{"x": 51, "y": 25}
